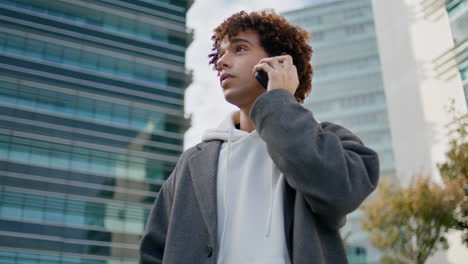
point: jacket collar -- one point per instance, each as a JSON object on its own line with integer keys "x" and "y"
{"x": 203, "y": 169}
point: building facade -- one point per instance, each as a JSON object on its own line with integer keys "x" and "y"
{"x": 379, "y": 77}
{"x": 458, "y": 15}
{"x": 452, "y": 63}
{"x": 91, "y": 124}
{"x": 347, "y": 88}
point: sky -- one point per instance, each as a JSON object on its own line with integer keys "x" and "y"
{"x": 204, "y": 100}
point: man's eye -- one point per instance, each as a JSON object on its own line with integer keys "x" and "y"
{"x": 240, "y": 49}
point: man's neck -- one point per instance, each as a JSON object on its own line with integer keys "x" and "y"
{"x": 245, "y": 123}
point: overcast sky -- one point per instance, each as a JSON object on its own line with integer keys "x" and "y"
{"x": 204, "y": 99}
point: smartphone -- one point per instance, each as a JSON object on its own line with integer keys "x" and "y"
{"x": 262, "y": 76}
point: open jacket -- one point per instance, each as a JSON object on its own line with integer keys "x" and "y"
{"x": 328, "y": 173}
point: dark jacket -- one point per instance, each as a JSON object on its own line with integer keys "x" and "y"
{"x": 328, "y": 172}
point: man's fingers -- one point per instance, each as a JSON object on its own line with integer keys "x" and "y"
{"x": 282, "y": 61}
{"x": 263, "y": 66}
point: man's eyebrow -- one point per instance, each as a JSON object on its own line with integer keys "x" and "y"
{"x": 234, "y": 41}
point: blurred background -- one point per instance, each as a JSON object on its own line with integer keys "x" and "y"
{"x": 98, "y": 99}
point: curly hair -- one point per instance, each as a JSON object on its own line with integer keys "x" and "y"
{"x": 276, "y": 35}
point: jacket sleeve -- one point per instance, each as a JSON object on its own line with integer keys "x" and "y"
{"x": 329, "y": 165}
{"x": 154, "y": 238}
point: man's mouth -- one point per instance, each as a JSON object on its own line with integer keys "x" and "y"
{"x": 225, "y": 76}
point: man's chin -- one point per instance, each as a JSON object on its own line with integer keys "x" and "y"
{"x": 233, "y": 97}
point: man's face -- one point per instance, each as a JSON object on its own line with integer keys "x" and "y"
{"x": 237, "y": 57}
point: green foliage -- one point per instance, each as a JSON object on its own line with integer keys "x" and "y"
{"x": 410, "y": 224}
{"x": 455, "y": 168}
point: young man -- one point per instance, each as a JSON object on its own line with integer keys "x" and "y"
{"x": 271, "y": 184}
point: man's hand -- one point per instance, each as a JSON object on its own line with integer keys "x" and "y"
{"x": 282, "y": 73}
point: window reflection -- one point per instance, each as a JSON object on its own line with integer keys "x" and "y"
{"x": 114, "y": 217}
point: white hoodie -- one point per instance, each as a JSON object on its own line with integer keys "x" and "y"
{"x": 249, "y": 197}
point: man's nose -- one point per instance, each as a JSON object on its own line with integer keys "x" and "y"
{"x": 223, "y": 61}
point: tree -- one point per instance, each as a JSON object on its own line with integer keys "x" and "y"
{"x": 410, "y": 224}
{"x": 455, "y": 169}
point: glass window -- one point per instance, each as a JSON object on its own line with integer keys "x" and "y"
{"x": 124, "y": 68}
{"x": 49, "y": 259}
{"x": 85, "y": 107}
{"x": 54, "y": 11}
{"x": 71, "y": 57}
{"x": 80, "y": 162}
{"x": 99, "y": 165}
{"x": 34, "y": 48}
{"x": 155, "y": 173}
{"x": 121, "y": 169}
{"x": 135, "y": 227}
{"x": 127, "y": 26}
{"x": 7, "y": 210}
{"x": 65, "y": 103}
{"x": 136, "y": 171}
{"x": 142, "y": 72}
{"x": 60, "y": 159}
{"x": 33, "y": 213}
{"x": 94, "y": 19}
{"x": 139, "y": 118}
{"x": 53, "y": 215}
{"x": 74, "y": 219}
{"x": 54, "y": 53}
{"x": 111, "y": 22}
{"x": 45, "y": 103}
{"x": 7, "y": 257}
{"x": 353, "y": 12}
{"x": 89, "y": 60}
{"x": 75, "y": 207}
{"x": 15, "y": 44}
{"x": 39, "y": 156}
{"x": 30, "y": 100}
{"x": 8, "y": 95}
{"x": 19, "y": 153}
{"x": 103, "y": 111}
{"x": 94, "y": 219}
{"x": 158, "y": 76}
{"x": 67, "y": 14}
{"x": 144, "y": 30}
{"x": 3, "y": 42}
{"x": 27, "y": 258}
{"x": 159, "y": 35}
{"x": 121, "y": 114}
{"x": 3, "y": 150}
{"x": 107, "y": 64}
{"x": 355, "y": 29}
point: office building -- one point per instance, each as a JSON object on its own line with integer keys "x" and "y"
{"x": 348, "y": 89}
{"x": 91, "y": 124}
{"x": 374, "y": 75}
{"x": 458, "y": 15}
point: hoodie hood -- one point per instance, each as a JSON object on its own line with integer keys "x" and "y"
{"x": 227, "y": 132}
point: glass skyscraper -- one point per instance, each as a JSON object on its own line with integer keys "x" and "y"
{"x": 458, "y": 16}
{"x": 347, "y": 89}
{"x": 453, "y": 62}
{"x": 91, "y": 124}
